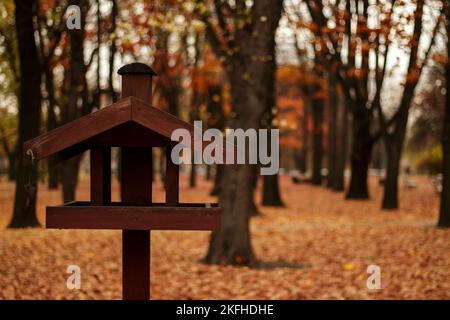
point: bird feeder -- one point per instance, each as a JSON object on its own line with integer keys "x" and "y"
{"x": 136, "y": 127}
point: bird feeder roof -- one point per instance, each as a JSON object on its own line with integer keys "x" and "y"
{"x": 130, "y": 122}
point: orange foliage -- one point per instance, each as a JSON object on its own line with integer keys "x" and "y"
{"x": 317, "y": 247}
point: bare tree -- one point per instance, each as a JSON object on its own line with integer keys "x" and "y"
{"x": 243, "y": 36}
{"x": 394, "y": 129}
{"x": 24, "y": 214}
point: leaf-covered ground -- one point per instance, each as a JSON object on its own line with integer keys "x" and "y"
{"x": 318, "y": 246}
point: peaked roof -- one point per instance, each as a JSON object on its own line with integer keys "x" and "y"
{"x": 136, "y": 68}
{"x": 72, "y": 137}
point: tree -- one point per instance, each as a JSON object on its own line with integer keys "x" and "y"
{"x": 341, "y": 145}
{"x": 216, "y": 119}
{"x": 332, "y": 130}
{"x": 428, "y": 108}
{"x": 24, "y": 214}
{"x": 8, "y": 131}
{"x": 340, "y": 29}
{"x": 270, "y": 188}
{"x": 444, "y": 217}
{"x": 51, "y": 26}
{"x": 75, "y": 98}
{"x": 194, "y": 114}
{"x": 394, "y": 129}
{"x": 315, "y": 84}
{"x": 9, "y": 86}
{"x": 357, "y": 36}
{"x": 318, "y": 107}
{"x": 243, "y": 36}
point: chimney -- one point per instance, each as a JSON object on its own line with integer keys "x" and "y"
{"x": 137, "y": 81}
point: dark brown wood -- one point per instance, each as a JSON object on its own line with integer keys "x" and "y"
{"x": 136, "y": 68}
{"x": 162, "y": 122}
{"x": 138, "y": 86}
{"x": 135, "y": 265}
{"x": 79, "y": 130}
{"x": 100, "y": 175}
{"x": 195, "y": 217}
{"x": 129, "y": 134}
{"x": 154, "y": 204}
{"x": 93, "y": 130}
{"x": 172, "y": 180}
{"x": 136, "y": 179}
{"x": 136, "y": 189}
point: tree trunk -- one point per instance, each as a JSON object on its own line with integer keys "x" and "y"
{"x": 69, "y": 172}
{"x": 394, "y": 146}
{"x": 332, "y": 136}
{"x": 195, "y": 102}
{"x": 302, "y": 158}
{"x": 253, "y": 208}
{"x": 390, "y": 197}
{"x": 24, "y": 214}
{"x": 208, "y": 173}
{"x": 216, "y": 120}
{"x": 193, "y": 173}
{"x": 270, "y": 189}
{"x": 341, "y": 152}
{"x": 317, "y": 141}
{"x": 52, "y": 165}
{"x": 70, "y": 178}
{"x": 231, "y": 245}
{"x": 444, "y": 216}
{"x": 271, "y": 194}
{"x": 394, "y": 141}
{"x": 53, "y": 173}
{"x": 12, "y": 164}
{"x": 112, "y": 51}
{"x": 217, "y": 180}
{"x": 248, "y": 80}
{"x": 360, "y": 159}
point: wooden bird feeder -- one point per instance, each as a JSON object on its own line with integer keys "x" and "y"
{"x": 136, "y": 127}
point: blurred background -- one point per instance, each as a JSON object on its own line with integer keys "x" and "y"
{"x": 357, "y": 88}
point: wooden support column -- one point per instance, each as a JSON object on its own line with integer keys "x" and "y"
{"x": 136, "y": 190}
{"x": 100, "y": 176}
{"x": 172, "y": 180}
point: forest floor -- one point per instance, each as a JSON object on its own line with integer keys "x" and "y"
{"x": 317, "y": 247}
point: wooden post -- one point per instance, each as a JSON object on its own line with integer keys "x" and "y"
{"x": 100, "y": 176}
{"x": 136, "y": 189}
{"x": 172, "y": 180}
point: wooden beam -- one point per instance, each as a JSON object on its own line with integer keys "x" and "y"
{"x": 136, "y": 189}
{"x": 133, "y": 218}
{"x": 136, "y": 176}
